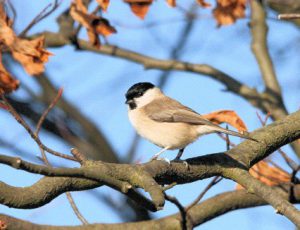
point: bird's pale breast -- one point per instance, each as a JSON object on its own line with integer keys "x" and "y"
{"x": 175, "y": 135}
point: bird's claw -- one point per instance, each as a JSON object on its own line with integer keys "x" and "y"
{"x": 161, "y": 159}
{"x": 181, "y": 161}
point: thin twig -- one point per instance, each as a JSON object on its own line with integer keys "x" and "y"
{"x": 169, "y": 186}
{"x": 81, "y": 158}
{"x": 182, "y": 210}
{"x": 288, "y": 16}
{"x": 41, "y": 120}
{"x": 75, "y": 209}
{"x": 13, "y": 10}
{"x": 214, "y": 181}
{"x": 225, "y": 139}
{"x": 43, "y": 14}
{"x": 275, "y": 165}
{"x": 293, "y": 165}
{"x": 271, "y": 178}
{"x": 45, "y": 113}
{"x": 21, "y": 121}
{"x": 294, "y": 181}
{"x": 263, "y": 121}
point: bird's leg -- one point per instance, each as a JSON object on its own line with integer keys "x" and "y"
{"x": 177, "y": 158}
{"x": 155, "y": 156}
{"x": 179, "y": 154}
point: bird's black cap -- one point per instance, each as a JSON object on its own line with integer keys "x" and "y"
{"x": 137, "y": 90}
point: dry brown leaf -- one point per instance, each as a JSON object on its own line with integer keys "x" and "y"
{"x": 7, "y": 82}
{"x": 103, "y": 4}
{"x": 227, "y": 116}
{"x": 268, "y": 174}
{"x": 203, "y": 3}
{"x": 171, "y": 3}
{"x": 103, "y": 27}
{"x": 94, "y": 25}
{"x": 30, "y": 53}
{"x": 3, "y": 16}
{"x": 3, "y": 225}
{"x": 228, "y": 11}
{"x": 139, "y": 7}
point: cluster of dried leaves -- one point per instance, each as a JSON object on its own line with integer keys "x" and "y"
{"x": 29, "y": 53}
{"x": 263, "y": 171}
{"x": 225, "y": 12}
{"x": 228, "y": 11}
{"x": 94, "y": 24}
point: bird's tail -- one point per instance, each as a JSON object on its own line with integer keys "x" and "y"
{"x": 244, "y": 135}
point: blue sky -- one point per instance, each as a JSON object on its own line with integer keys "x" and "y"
{"x": 96, "y": 85}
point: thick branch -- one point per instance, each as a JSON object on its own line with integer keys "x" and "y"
{"x": 281, "y": 205}
{"x": 205, "y": 211}
{"x": 57, "y": 40}
{"x": 259, "y": 31}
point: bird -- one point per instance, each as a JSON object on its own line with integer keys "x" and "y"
{"x": 166, "y": 122}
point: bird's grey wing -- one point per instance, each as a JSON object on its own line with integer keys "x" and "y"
{"x": 168, "y": 110}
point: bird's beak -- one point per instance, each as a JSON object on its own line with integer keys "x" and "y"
{"x": 128, "y": 101}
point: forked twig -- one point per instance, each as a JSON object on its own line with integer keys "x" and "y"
{"x": 41, "y": 120}
{"x": 263, "y": 121}
{"x": 173, "y": 200}
{"x": 43, "y": 14}
{"x": 21, "y": 121}
{"x": 214, "y": 181}
{"x": 44, "y": 156}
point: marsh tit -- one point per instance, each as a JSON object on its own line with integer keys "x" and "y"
{"x": 166, "y": 122}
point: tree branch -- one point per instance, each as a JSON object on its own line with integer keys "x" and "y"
{"x": 267, "y": 193}
{"x": 201, "y": 213}
{"x": 259, "y": 46}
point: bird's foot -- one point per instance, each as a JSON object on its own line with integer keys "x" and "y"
{"x": 160, "y": 159}
{"x": 178, "y": 160}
